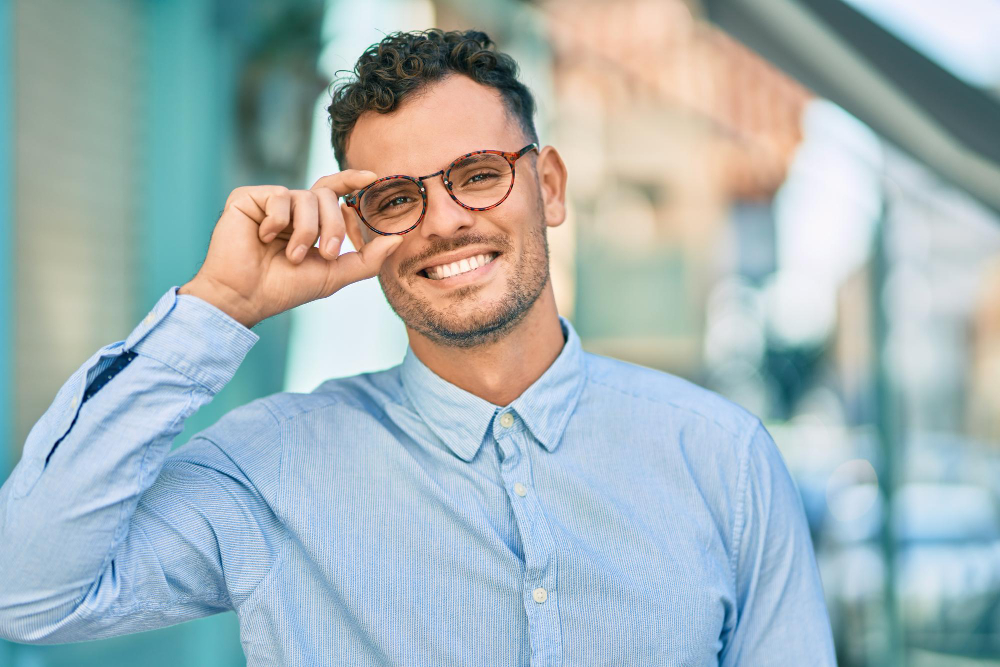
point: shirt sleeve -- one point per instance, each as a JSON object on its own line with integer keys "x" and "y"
{"x": 103, "y": 531}
{"x": 781, "y": 616}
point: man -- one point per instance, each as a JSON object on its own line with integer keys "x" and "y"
{"x": 499, "y": 498}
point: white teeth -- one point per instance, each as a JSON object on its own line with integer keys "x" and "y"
{"x": 461, "y": 266}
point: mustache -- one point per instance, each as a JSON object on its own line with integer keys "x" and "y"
{"x": 501, "y": 243}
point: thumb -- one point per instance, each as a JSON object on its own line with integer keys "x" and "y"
{"x": 366, "y": 262}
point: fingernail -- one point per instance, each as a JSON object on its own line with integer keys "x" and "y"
{"x": 270, "y": 237}
{"x": 333, "y": 246}
{"x": 299, "y": 253}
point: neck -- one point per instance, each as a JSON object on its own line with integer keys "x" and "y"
{"x": 499, "y": 372}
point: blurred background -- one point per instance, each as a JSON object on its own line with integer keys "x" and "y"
{"x": 795, "y": 203}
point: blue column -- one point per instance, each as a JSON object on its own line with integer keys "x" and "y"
{"x": 185, "y": 101}
{"x": 194, "y": 55}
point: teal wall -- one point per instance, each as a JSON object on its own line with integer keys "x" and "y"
{"x": 188, "y": 112}
{"x": 194, "y": 52}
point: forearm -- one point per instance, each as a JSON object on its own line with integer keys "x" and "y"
{"x": 66, "y": 508}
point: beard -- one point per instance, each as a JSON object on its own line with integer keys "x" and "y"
{"x": 466, "y": 323}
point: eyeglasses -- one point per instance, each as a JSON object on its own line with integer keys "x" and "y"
{"x": 478, "y": 181}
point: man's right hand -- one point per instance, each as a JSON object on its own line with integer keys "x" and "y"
{"x": 261, "y": 260}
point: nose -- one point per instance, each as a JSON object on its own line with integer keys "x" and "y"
{"x": 444, "y": 216}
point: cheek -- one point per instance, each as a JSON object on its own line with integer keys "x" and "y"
{"x": 389, "y": 273}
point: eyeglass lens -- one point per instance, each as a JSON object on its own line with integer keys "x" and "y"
{"x": 478, "y": 181}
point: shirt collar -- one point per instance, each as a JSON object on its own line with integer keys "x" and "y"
{"x": 461, "y": 419}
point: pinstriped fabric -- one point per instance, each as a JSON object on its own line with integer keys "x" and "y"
{"x": 610, "y": 515}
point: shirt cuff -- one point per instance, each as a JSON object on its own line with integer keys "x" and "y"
{"x": 194, "y": 338}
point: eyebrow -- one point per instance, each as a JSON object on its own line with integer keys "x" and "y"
{"x": 387, "y": 185}
{"x": 478, "y": 157}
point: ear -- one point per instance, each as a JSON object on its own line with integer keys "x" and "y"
{"x": 353, "y": 225}
{"x": 552, "y": 181}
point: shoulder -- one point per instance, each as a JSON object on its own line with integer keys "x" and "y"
{"x": 677, "y": 400}
{"x": 248, "y": 441}
{"x": 243, "y": 445}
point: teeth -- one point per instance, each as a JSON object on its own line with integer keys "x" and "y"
{"x": 461, "y": 266}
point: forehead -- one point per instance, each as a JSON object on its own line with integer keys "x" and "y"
{"x": 430, "y": 129}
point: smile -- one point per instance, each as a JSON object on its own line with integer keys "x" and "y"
{"x": 467, "y": 265}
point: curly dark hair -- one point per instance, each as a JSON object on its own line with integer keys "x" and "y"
{"x": 404, "y": 63}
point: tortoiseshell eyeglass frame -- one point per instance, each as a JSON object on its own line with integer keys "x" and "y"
{"x": 354, "y": 200}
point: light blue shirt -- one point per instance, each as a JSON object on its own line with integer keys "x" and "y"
{"x": 612, "y": 514}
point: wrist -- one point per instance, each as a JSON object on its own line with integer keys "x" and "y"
{"x": 222, "y": 298}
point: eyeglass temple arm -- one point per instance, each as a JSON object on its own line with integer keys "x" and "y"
{"x": 527, "y": 148}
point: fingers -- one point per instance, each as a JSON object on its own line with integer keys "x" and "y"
{"x": 277, "y": 206}
{"x": 366, "y": 262}
{"x": 300, "y": 216}
{"x": 268, "y": 206}
{"x": 344, "y": 182}
{"x": 328, "y": 190}
{"x": 353, "y": 223}
{"x": 331, "y": 223}
{"x": 305, "y": 224}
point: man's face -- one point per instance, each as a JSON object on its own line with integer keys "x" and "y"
{"x": 450, "y": 118}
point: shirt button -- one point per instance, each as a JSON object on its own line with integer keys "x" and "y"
{"x": 149, "y": 318}
{"x": 520, "y": 490}
{"x": 539, "y": 595}
{"x": 72, "y": 403}
{"x": 506, "y": 420}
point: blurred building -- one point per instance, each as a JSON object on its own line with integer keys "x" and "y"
{"x": 671, "y": 129}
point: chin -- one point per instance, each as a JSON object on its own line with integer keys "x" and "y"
{"x": 465, "y": 317}
{"x": 471, "y": 331}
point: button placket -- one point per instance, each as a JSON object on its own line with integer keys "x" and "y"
{"x": 540, "y": 556}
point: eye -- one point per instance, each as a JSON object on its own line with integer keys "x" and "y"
{"x": 475, "y": 178}
{"x": 389, "y": 203}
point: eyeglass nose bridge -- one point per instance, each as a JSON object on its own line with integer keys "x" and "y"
{"x": 439, "y": 172}
{"x": 448, "y": 185}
